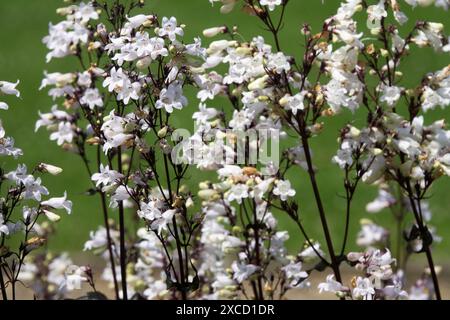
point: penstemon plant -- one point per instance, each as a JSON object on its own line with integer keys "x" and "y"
{"x": 26, "y": 219}
{"x": 344, "y": 68}
{"x": 163, "y": 237}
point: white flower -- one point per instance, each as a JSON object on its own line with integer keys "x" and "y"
{"x": 242, "y": 271}
{"x": 3, "y": 227}
{"x": 149, "y": 211}
{"x": 261, "y": 188}
{"x": 370, "y": 234}
{"x": 171, "y": 98}
{"x": 395, "y": 291}
{"x": 271, "y": 3}
{"x": 170, "y": 29}
{"x": 391, "y": 94}
{"x": 419, "y": 292}
{"x": 155, "y": 289}
{"x": 19, "y": 175}
{"x": 196, "y": 49}
{"x": 64, "y": 133}
{"x": 74, "y": 277}
{"x": 99, "y": 239}
{"x": 160, "y": 223}
{"x": 129, "y": 91}
{"x": 295, "y": 102}
{"x": 375, "y": 171}
{"x": 364, "y": 289}
{"x": 279, "y": 63}
{"x": 158, "y": 218}
{"x": 230, "y": 171}
{"x": 58, "y": 268}
{"x": 309, "y": 254}
{"x": 238, "y": 192}
{"x": 85, "y": 12}
{"x": 400, "y": 17}
{"x": 377, "y": 12}
{"x": 92, "y": 98}
{"x": 84, "y": 79}
{"x": 29, "y": 214}
{"x": 114, "y": 131}
{"x": 153, "y": 47}
{"x": 59, "y": 203}
{"x": 344, "y": 156}
{"x": 331, "y": 285}
{"x": 382, "y": 201}
{"x": 241, "y": 119}
{"x": 294, "y": 273}
{"x": 121, "y": 194}
{"x": 116, "y": 81}
{"x": 210, "y": 84}
{"x": 283, "y": 189}
{"x": 33, "y": 188}
{"x": 7, "y": 144}
{"x": 204, "y": 114}
{"x": 9, "y": 88}
{"x": 106, "y": 177}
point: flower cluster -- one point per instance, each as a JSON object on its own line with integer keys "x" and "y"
{"x": 27, "y": 214}
{"x": 117, "y": 112}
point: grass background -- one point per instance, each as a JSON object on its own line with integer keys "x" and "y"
{"x": 23, "y": 24}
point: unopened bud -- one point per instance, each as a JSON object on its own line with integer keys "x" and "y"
{"x": 52, "y": 216}
{"x": 212, "y": 32}
{"x": 143, "y": 63}
{"x": 48, "y": 168}
{"x": 162, "y": 132}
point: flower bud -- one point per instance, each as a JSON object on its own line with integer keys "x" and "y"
{"x": 33, "y": 243}
{"x": 204, "y": 185}
{"x": 354, "y": 132}
{"x": 212, "y": 32}
{"x": 52, "y": 216}
{"x": 236, "y": 230}
{"x": 189, "y": 203}
{"x": 435, "y": 27}
{"x": 206, "y": 194}
{"x": 384, "y": 52}
{"x": 48, "y": 168}
{"x": 284, "y": 101}
{"x": 217, "y": 46}
{"x": 143, "y": 63}
{"x": 64, "y": 11}
{"x": 259, "y": 83}
{"x": 425, "y": 3}
{"x": 377, "y": 151}
{"x": 162, "y": 132}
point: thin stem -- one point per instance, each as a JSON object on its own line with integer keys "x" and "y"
{"x": 180, "y": 259}
{"x": 257, "y": 253}
{"x": 108, "y": 238}
{"x": 176, "y": 234}
{"x": 312, "y": 176}
{"x": 426, "y": 246}
{"x": 347, "y": 223}
{"x": 108, "y": 232}
{"x": 123, "y": 258}
{"x": 2, "y": 285}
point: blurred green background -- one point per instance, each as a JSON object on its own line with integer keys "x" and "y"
{"x": 23, "y": 23}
